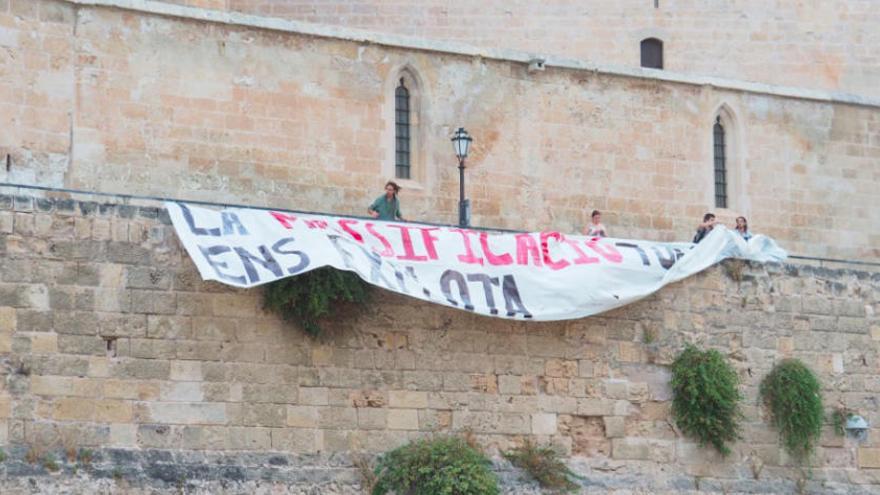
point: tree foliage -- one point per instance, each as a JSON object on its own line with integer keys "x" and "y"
{"x": 308, "y": 297}
{"x": 706, "y": 402}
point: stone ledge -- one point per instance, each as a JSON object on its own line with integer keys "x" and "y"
{"x": 24, "y": 203}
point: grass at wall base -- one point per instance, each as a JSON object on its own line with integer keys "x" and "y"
{"x": 307, "y": 298}
{"x": 706, "y": 398}
{"x": 793, "y": 397}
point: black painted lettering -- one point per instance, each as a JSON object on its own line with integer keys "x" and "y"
{"x": 210, "y": 252}
{"x": 511, "y": 298}
{"x": 446, "y": 280}
{"x": 266, "y": 260}
{"x": 190, "y": 221}
{"x": 487, "y": 282}
{"x": 303, "y": 257}
{"x": 642, "y": 253}
{"x": 231, "y": 222}
{"x": 667, "y": 261}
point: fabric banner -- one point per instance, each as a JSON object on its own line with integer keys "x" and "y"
{"x": 537, "y": 276}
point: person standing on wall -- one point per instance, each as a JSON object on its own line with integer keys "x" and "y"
{"x": 704, "y": 228}
{"x": 595, "y": 229}
{"x": 742, "y": 228}
{"x": 387, "y": 206}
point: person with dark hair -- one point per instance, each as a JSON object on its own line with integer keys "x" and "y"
{"x": 742, "y": 228}
{"x": 387, "y": 206}
{"x": 595, "y": 229}
{"x": 705, "y": 227}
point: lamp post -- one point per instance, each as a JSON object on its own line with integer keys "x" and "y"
{"x": 461, "y": 141}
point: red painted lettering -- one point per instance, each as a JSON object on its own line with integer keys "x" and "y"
{"x": 582, "y": 258}
{"x": 409, "y": 254}
{"x": 429, "y": 241}
{"x": 607, "y": 251}
{"x": 545, "y": 249}
{"x": 388, "y": 252}
{"x": 285, "y": 219}
{"x": 492, "y": 258}
{"x": 316, "y": 224}
{"x": 344, "y": 225}
{"x": 468, "y": 256}
{"x": 525, "y": 246}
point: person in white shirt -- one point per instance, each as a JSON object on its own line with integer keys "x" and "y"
{"x": 742, "y": 228}
{"x": 595, "y": 228}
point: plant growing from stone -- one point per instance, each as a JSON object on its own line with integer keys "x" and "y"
{"x": 706, "y": 402}
{"x": 307, "y": 298}
{"x": 545, "y": 465}
{"x": 445, "y": 465}
{"x": 793, "y": 397}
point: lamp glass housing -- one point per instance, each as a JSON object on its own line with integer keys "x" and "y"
{"x": 461, "y": 142}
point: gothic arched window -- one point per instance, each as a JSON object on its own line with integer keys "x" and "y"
{"x": 720, "y": 158}
{"x": 402, "y": 131}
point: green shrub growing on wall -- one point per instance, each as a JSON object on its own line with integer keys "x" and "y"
{"x": 793, "y": 396}
{"x": 445, "y": 465}
{"x": 306, "y": 298}
{"x": 706, "y": 399}
{"x": 545, "y": 465}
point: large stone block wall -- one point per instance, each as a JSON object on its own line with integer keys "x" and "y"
{"x": 111, "y": 344}
{"x": 815, "y": 44}
{"x": 124, "y": 101}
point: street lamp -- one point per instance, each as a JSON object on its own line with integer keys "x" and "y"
{"x": 461, "y": 141}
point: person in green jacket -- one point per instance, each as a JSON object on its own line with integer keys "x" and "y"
{"x": 387, "y": 206}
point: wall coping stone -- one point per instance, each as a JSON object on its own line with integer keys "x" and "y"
{"x": 153, "y": 209}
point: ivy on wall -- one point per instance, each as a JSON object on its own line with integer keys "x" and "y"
{"x": 706, "y": 398}
{"x": 793, "y": 397}
{"x": 307, "y": 298}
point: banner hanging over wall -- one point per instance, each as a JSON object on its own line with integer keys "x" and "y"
{"x": 536, "y": 276}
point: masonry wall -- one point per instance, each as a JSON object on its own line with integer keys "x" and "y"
{"x": 122, "y": 101}
{"x": 111, "y": 344}
{"x": 814, "y": 44}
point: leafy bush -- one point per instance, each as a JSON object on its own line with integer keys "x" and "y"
{"x": 792, "y": 394}
{"x": 306, "y": 298}
{"x": 442, "y": 466}
{"x": 706, "y": 399}
{"x": 545, "y": 466}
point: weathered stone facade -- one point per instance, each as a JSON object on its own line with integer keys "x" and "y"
{"x": 110, "y": 342}
{"x": 122, "y": 372}
{"x": 825, "y": 44}
{"x": 126, "y": 101}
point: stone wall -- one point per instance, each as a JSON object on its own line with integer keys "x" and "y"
{"x": 124, "y": 101}
{"x": 110, "y": 344}
{"x": 814, "y": 44}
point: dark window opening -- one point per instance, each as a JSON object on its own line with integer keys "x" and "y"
{"x": 652, "y": 53}
{"x": 402, "y": 131}
{"x": 720, "y": 165}
{"x": 111, "y": 346}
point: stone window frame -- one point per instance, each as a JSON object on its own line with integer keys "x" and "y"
{"x": 417, "y": 104}
{"x": 734, "y": 154}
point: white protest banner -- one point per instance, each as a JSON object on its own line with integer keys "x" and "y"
{"x": 537, "y": 276}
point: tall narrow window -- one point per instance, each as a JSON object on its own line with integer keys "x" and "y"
{"x": 652, "y": 53}
{"x": 402, "y": 131}
{"x": 720, "y": 164}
